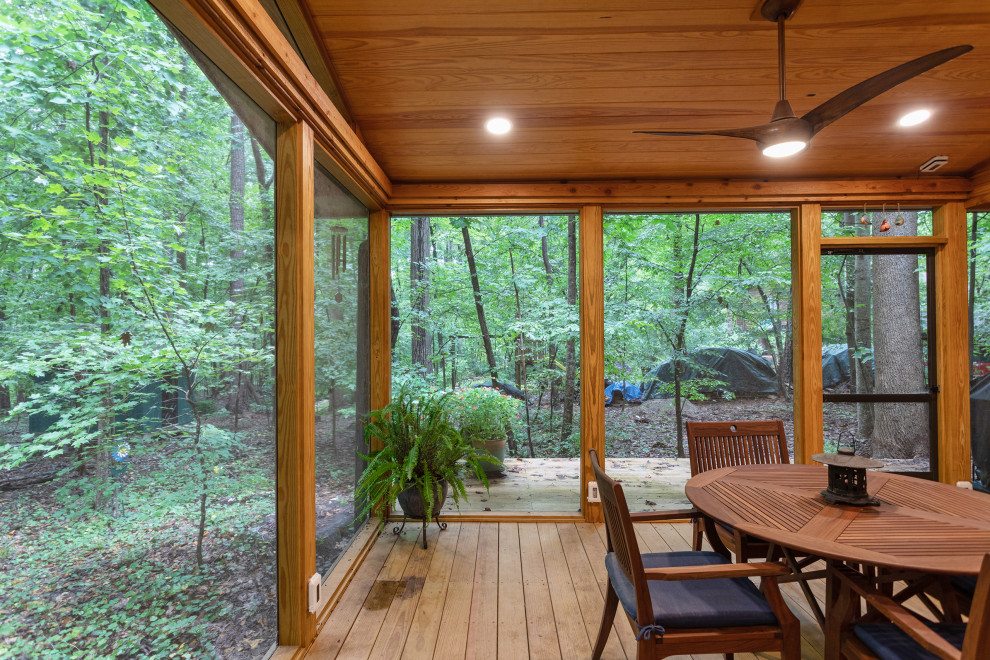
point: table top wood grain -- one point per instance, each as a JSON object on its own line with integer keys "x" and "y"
{"x": 919, "y": 525}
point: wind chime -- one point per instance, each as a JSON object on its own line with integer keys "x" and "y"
{"x": 884, "y": 224}
{"x": 338, "y": 252}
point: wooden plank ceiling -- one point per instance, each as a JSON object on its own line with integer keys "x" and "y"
{"x": 576, "y": 77}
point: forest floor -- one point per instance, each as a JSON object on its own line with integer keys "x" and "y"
{"x": 83, "y": 583}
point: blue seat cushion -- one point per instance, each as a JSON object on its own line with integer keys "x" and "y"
{"x": 711, "y": 603}
{"x": 889, "y": 642}
{"x": 964, "y": 583}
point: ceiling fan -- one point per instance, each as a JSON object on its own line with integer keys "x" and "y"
{"x": 786, "y": 134}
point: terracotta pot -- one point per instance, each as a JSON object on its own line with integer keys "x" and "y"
{"x": 412, "y": 502}
{"x": 494, "y": 447}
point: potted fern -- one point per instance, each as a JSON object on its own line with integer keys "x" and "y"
{"x": 422, "y": 454}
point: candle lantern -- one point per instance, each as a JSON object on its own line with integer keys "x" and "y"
{"x": 847, "y": 477}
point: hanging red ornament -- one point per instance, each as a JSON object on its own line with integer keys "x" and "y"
{"x": 884, "y": 226}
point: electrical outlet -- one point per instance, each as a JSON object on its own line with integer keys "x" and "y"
{"x": 593, "y": 494}
{"x": 315, "y": 586}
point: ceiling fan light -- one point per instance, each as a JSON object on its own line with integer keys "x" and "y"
{"x": 914, "y": 117}
{"x": 783, "y": 149}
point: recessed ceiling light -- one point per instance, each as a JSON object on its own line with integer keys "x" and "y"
{"x": 498, "y": 125}
{"x": 914, "y": 117}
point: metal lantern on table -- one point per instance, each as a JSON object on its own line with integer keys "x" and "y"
{"x": 847, "y": 477}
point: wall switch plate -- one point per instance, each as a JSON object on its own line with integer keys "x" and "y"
{"x": 315, "y": 585}
{"x": 593, "y": 494}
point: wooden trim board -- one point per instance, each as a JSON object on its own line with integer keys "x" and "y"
{"x": 952, "y": 330}
{"x": 806, "y": 296}
{"x": 591, "y": 294}
{"x": 295, "y": 381}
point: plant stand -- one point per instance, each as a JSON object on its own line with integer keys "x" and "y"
{"x": 398, "y": 528}
{"x": 414, "y": 508}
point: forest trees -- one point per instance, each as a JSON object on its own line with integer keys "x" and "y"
{"x": 136, "y": 288}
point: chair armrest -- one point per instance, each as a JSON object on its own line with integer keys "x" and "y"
{"x": 672, "y": 514}
{"x": 708, "y": 571}
{"x": 897, "y": 613}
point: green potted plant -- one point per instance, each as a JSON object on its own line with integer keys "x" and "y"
{"x": 422, "y": 453}
{"x": 483, "y": 415}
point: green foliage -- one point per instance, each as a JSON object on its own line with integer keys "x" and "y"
{"x": 115, "y": 168}
{"x": 483, "y": 413}
{"x": 421, "y": 446}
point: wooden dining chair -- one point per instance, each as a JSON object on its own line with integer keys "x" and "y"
{"x": 688, "y": 602}
{"x": 713, "y": 445}
{"x": 889, "y": 630}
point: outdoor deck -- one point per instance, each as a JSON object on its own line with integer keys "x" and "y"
{"x": 497, "y": 590}
{"x": 551, "y": 485}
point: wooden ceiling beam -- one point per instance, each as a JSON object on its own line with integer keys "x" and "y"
{"x": 979, "y": 196}
{"x": 441, "y": 197}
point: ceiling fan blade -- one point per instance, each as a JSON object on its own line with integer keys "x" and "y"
{"x": 748, "y": 133}
{"x": 850, "y": 99}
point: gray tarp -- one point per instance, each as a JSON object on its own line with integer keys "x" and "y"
{"x": 835, "y": 365}
{"x": 979, "y": 410}
{"x": 743, "y": 373}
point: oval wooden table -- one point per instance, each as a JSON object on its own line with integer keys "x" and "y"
{"x": 920, "y": 527}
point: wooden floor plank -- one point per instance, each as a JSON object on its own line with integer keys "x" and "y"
{"x": 422, "y": 639}
{"x": 372, "y": 615}
{"x": 482, "y": 638}
{"x": 399, "y": 616}
{"x": 456, "y": 619}
{"x": 540, "y": 628}
{"x": 512, "y": 636}
{"x": 490, "y": 590}
{"x": 331, "y": 638}
{"x": 571, "y": 633}
{"x": 589, "y": 595}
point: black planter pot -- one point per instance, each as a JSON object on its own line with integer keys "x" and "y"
{"x": 413, "y": 506}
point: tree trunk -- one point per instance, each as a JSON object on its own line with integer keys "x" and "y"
{"x": 972, "y": 291}
{"x": 419, "y": 290}
{"x": 479, "y": 306}
{"x": 521, "y": 358}
{"x": 241, "y": 390}
{"x": 567, "y": 415}
{"x": 900, "y": 429}
{"x": 683, "y": 292}
{"x": 396, "y": 320}
{"x": 238, "y": 179}
{"x": 483, "y": 323}
{"x": 863, "y": 341}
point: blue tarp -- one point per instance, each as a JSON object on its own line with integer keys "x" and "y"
{"x": 625, "y": 389}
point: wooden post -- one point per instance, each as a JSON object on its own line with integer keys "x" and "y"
{"x": 295, "y": 381}
{"x": 380, "y": 311}
{"x": 591, "y": 292}
{"x": 806, "y": 304}
{"x": 952, "y": 339}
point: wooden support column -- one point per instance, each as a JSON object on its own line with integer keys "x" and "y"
{"x": 295, "y": 422}
{"x": 591, "y": 293}
{"x": 952, "y": 344}
{"x": 380, "y": 310}
{"x": 806, "y": 305}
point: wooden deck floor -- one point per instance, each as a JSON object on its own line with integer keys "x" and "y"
{"x": 499, "y": 591}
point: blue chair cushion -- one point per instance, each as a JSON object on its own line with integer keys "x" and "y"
{"x": 712, "y": 603}
{"x": 889, "y": 642}
{"x": 964, "y": 583}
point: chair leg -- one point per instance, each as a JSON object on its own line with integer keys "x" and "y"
{"x": 697, "y": 534}
{"x": 608, "y": 617}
